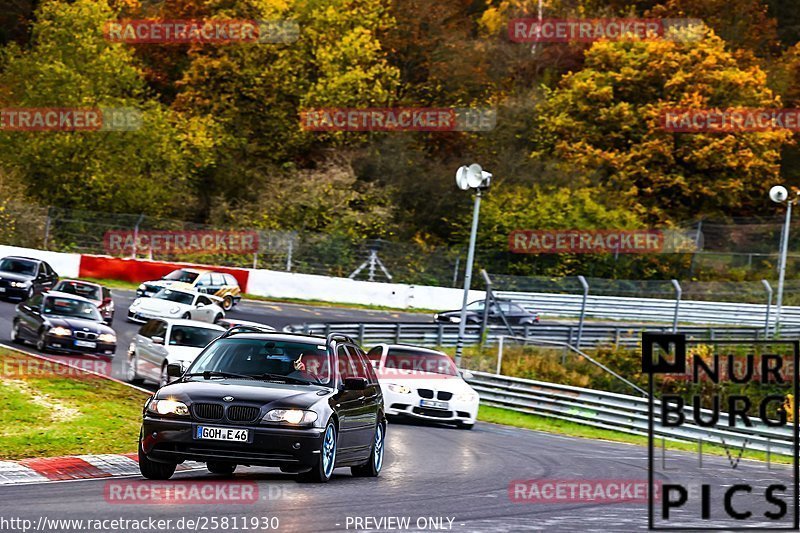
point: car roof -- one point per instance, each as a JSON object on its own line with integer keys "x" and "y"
{"x": 81, "y": 282}
{"x": 195, "y": 270}
{"x": 195, "y": 323}
{"x": 281, "y": 336}
{"x": 24, "y": 258}
{"x": 411, "y": 346}
{"x": 60, "y": 294}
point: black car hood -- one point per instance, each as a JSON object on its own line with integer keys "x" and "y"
{"x": 78, "y": 324}
{"x": 14, "y": 277}
{"x": 243, "y": 391}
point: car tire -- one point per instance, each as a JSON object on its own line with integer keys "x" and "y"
{"x": 223, "y": 469}
{"x": 131, "y": 376}
{"x": 217, "y": 319}
{"x": 464, "y": 425}
{"x": 227, "y": 303}
{"x": 153, "y": 470}
{"x": 372, "y": 468}
{"x": 323, "y": 467}
{"x": 15, "y": 337}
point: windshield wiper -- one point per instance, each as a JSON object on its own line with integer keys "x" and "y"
{"x": 281, "y": 377}
{"x": 208, "y": 374}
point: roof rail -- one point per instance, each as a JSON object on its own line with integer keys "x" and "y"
{"x": 334, "y": 336}
{"x": 236, "y": 330}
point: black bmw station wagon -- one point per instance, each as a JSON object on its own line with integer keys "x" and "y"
{"x": 304, "y": 403}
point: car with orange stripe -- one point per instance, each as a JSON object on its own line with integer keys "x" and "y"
{"x": 219, "y": 284}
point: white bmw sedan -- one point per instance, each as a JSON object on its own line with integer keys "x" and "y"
{"x": 161, "y": 342}
{"x": 175, "y": 303}
{"x": 423, "y": 383}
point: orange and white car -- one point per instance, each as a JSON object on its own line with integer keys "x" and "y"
{"x": 219, "y": 284}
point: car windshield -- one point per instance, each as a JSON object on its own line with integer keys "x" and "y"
{"x": 258, "y": 357}
{"x": 181, "y": 275}
{"x": 89, "y": 291}
{"x": 175, "y": 296}
{"x": 18, "y": 266}
{"x": 192, "y": 336}
{"x": 70, "y": 307}
{"x": 417, "y": 361}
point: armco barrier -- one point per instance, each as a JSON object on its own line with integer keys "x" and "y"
{"x": 138, "y": 270}
{"x": 447, "y": 334}
{"x": 650, "y": 309}
{"x": 618, "y": 412}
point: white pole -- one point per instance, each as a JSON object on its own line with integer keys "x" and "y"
{"x": 468, "y": 276}
{"x": 499, "y": 353}
{"x": 782, "y": 272}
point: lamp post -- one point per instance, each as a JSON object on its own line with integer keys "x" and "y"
{"x": 779, "y": 195}
{"x": 470, "y": 177}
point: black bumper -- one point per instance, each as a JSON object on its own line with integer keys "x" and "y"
{"x": 13, "y": 293}
{"x": 169, "y": 440}
{"x": 65, "y": 344}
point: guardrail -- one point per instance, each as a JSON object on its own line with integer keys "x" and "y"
{"x": 619, "y": 412}
{"x": 447, "y": 334}
{"x": 649, "y": 309}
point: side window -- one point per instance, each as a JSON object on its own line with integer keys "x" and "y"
{"x": 160, "y": 329}
{"x": 217, "y": 280}
{"x": 106, "y": 293}
{"x": 148, "y": 329}
{"x": 346, "y": 368}
{"x": 205, "y": 300}
{"x": 365, "y": 369}
{"x": 49, "y": 269}
{"x": 230, "y": 280}
{"x": 204, "y": 280}
{"x": 375, "y": 354}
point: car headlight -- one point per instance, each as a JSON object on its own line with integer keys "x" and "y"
{"x": 20, "y": 284}
{"x": 60, "y": 331}
{"x": 174, "y": 310}
{"x": 107, "y": 337}
{"x": 466, "y": 397}
{"x": 290, "y": 416}
{"x": 168, "y": 407}
{"x": 455, "y": 319}
{"x": 400, "y": 389}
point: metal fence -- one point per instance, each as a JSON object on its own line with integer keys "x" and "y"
{"x": 447, "y": 335}
{"x": 619, "y": 412}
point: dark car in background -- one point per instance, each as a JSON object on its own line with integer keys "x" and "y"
{"x": 97, "y": 294}
{"x": 22, "y": 277}
{"x": 61, "y": 322}
{"x": 515, "y": 314}
{"x": 303, "y": 403}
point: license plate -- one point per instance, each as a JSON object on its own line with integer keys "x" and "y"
{"x": 86, "y": 344}
{"x": 2, "y": 289}
{"x": 433, "y": 404}
{"x": 229, "y": 434}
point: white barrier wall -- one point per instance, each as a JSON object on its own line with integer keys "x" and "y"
{"x": 65, "y": 265}
{"x": 344, "y": 290}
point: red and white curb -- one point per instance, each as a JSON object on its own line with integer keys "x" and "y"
{"x": 46, "y": 469}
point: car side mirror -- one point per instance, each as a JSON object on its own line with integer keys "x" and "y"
{"x": 158, "y": 340}
{"x": 174, "y": 370}
{"x": 355, "y": 383}
{"x": 467, "y": 375}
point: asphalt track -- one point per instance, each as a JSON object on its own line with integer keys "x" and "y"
{"x": 431, "y": 475}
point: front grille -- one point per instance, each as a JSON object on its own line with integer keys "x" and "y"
{"x": 85, "y": 335}
{"x": 241, "y": 413}
{"x": 425, "y": 393}
{"x": 444, "y": 395}
{"x": 208, "y": 411}
{"x": 437, "y": 413}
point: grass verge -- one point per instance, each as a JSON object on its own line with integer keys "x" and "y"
{"x": 508, "y": 417}
{"x": 53, "y": 410}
